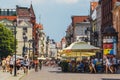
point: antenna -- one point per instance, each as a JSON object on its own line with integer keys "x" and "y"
{"x": 31, "y": 2}
{"x": 39, "y": 19}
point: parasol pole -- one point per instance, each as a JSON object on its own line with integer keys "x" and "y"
{"x": 80, "y": 56}
{"x": 75, "y": 56}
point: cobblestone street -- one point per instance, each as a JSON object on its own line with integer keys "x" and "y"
{"x": 48, "y": 73}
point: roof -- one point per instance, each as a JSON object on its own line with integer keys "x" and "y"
{"x": 32, "y": 11}
{"x": 23, "y": 11}
{"x": 78, "y": 19}
{"x": 109, "y": 30}
{"x": 12, "y": 18}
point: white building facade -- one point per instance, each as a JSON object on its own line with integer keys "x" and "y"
{"x": 82, "y": 32}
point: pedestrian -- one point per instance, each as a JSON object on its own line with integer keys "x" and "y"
{"x": 114, "y": 64}
{"x": 108, "y": 65}
{"x": 7, "y": 64}
{"x": 11, "y": 64}
{"x": 26, "y": 64}
{"x": 36, "y": 64}
{"x": 4, "y": 64}
{"x": 40, "y": 64}
{"x": 92, "y": 67}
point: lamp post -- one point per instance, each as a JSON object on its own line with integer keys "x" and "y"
{"x": 15, "y": 24}
{"x": 24, "y": 48}
{"x": 30, "y": 41}
{"x": 33, "y": 45}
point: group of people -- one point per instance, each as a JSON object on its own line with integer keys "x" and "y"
{"x": 111, "y": 64}
{"x": 94, "y": 65}
{"x": 24, "y": 64}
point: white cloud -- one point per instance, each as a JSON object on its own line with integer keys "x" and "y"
{"x": 67, "y": 1}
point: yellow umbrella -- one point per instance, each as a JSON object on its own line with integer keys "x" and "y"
{"x": 78, "y": 54}
{"x": 79, "y": 49}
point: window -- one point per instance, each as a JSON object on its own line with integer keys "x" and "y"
{"x": 8, "y": 12}
{"x": 24, "y": 30}
{"x": 5, "y": 12}
{"x": 0, "y": 12}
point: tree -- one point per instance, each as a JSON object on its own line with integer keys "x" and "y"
{"x": 7, "y": 41}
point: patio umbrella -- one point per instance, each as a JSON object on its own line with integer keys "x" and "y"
{"x": 41, "y": 58}
{"x": 80, "y": 49}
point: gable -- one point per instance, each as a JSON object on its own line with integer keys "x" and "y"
{"x": 24, "y": 24}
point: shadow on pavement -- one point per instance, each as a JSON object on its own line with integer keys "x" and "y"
{"x": 109, "y": 79}
{"x": 69, "y": 72}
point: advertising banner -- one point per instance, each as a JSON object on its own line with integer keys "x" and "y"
{"x": 109, "y": 46}
{"x": 115, "y": 46}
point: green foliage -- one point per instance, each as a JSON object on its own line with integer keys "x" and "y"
{"x": 7, "y": 44}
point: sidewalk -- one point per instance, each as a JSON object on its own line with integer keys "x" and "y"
{"x": 8, "y": 76}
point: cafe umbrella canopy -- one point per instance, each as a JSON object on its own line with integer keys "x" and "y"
{"x": 41, "y": 58}
{"x": 78, "y": 49}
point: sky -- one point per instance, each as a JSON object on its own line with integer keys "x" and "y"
{"x": 54, "y": 15}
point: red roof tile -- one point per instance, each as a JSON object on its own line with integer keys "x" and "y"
{"x": 23, "y": 12}
{"x": 9, "y": 17}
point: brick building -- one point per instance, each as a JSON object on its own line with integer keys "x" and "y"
{"x": 116, "y": 23}
{"x": 75, "y": 20}
{"x": 107, "y": 16}
{"x": 109, "y": 19}
{"x": 25, "y": 22}
{"x": 72, "y": 29}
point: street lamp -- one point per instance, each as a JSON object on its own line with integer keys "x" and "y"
{"x": 24, "y": 48}
{"x": 33, "y": 46}
{"x": 30, "y": 41}
{"x": 15, "y": 24}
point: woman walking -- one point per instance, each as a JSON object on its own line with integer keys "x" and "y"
{"x": 92, "y": 67}
{"x": 4, "y": 64}
{"x": 36, "y": 65}
{"x": 11, "y": 64}
{"x": 108, "y": 65}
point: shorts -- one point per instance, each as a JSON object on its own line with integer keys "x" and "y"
{"x": 11, "y": 66}
{"x": 18, "y": 67}
{"x": 26, "y": 67}
{"x": 3, "y": 67}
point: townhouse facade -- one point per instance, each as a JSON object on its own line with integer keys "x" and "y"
{"x": 30, "y": 36}
{"x": 72, "y": 32}
{"x": 116, "y": 19}
{"x": 93, "y": 23}
{"x": 24, "y": 29}
{"x": 98, "y": 23}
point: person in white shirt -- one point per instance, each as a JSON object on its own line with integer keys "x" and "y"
{"x": 108, "y": 65}
{"x": 11, "y": 64}
{"x": 26, "y": 64}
